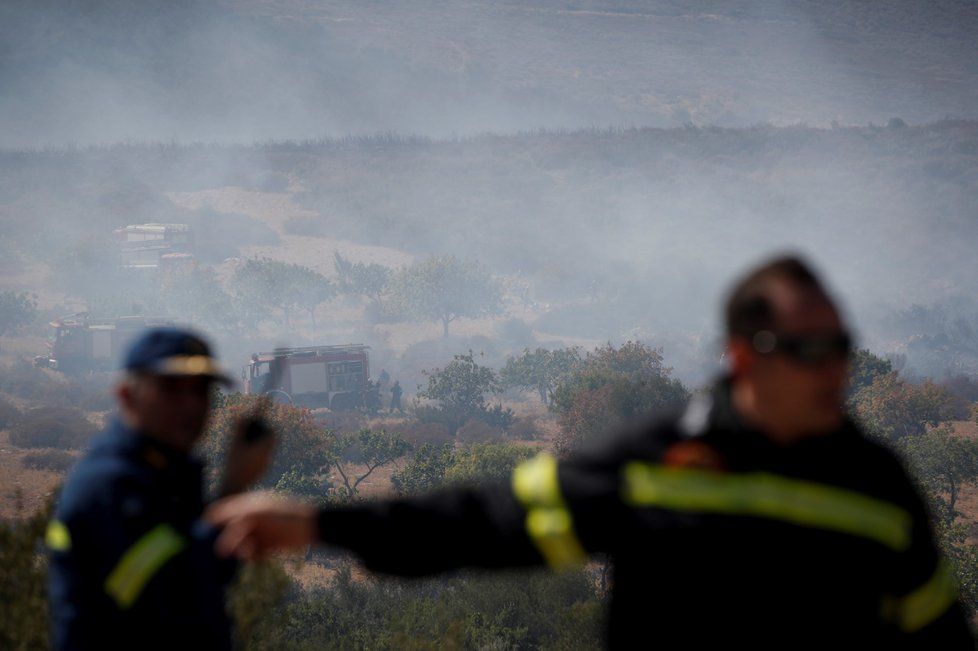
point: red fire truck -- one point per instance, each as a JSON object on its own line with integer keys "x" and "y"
{"x": 81, "y": 343}
{"x": 337, "y": 377}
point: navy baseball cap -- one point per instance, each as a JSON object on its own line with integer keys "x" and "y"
{"x": 172, "y": 351}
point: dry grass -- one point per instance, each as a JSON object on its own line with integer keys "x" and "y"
{"x": 22, "y": 490}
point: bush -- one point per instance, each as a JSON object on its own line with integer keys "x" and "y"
{"x": 54, "y": 460}
{"x": 525, "y": 428}
{"x": 426, "y": 470}
{"x": 418, "y": 433}
{"x": 53, "y": 427}
{"x": 302, "y": 445}
{"x": 23, "y": 575}
{"x": 24, "y": 380}
{"x": 9, "y": 414}
{"x": 612, "y": 387}
{"x": 476, "y": 431}
{"x": 486, "y": 463}
{"x": 892, "y": 408}
{"x": 513, "y": 610}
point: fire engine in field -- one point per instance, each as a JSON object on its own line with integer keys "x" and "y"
{"x": 81, "y": 343}
{"x": 337, "y": 377}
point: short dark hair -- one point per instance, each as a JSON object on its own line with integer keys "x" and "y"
{"x": 749, "y": 309}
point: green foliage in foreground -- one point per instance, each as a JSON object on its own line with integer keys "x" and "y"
{"x": 436, "y": 466}
{"x": 23, "y": 577}
{"x": 514, "y": 610}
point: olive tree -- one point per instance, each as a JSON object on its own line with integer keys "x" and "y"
{"x": 540, "y": 369}
{"x": 443, "y": 289}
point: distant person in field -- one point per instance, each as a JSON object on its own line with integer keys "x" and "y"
{"x": 396, "y": 393}
{"x": 131, "y": 560}
{"x": 760, "y": 517}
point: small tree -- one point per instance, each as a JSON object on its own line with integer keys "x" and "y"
{"x": 308, "y": 290}
{"x": 942, "y": 463}
{"x": 196, "y": 295}
{"x": 610, "y": 387}
{"x": 460, "y": 389}
{"x": 892, "y": 408}
{"x": 445, "y": 289}
{"x": 302, "y": 445}
{"x": 864, "y": 368}
{"x": 368, "y": 448}
{"x": 270, "y": 285}
{"x": 362, "y": 279}
{"x": 540, "y": 369}
{"x": 16, "y": 311}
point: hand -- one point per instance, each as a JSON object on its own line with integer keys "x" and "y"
{"x": 249, "y": 455}
{"x": 259, "y": 523}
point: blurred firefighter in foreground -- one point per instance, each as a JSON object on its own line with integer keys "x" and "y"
{"x": 760, "y": 515}
{"x": 132, "y": 563}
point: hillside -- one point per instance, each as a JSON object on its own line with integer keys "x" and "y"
{"x": 202, "y": 70}
{"x": 608, "y": 232}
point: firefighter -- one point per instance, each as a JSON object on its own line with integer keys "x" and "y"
{"x": 396, "y": 393}
{"x": 760, "y": 516}
{"x": 131, "y": 561}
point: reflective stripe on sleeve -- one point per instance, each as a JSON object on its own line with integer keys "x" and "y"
{"x": 141, "y": 562}
{"x": 57, "y": 537}
{"x": 767, "y": 496}
{"x": 548, "y": 520}
{"x": 916, "y": 610}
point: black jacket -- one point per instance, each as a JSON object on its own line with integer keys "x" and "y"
{"x": 717, "y": 536}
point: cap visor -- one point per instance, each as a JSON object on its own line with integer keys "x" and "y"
{"x": 192, "y": 365}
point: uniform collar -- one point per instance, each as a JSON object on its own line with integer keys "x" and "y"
{"x": 153, "y": 452}
{"x": 714, "y": 410}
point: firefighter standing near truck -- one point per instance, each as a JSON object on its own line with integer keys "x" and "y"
{"x": 760, "y": 516}
{"x": 132, "y": 563}
{"x": 396, "y": 393}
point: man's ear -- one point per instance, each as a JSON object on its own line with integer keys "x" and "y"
{"x": 740, "y": 355}
{"x": 125, "y": 394}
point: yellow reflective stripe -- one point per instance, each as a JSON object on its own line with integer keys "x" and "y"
{"x": 57, "y": 537}
{"x": 548, "y": 520}
{"x": 140, "y": 562}
{"x": 928, "y": 602}
{"x": 767, "y": 496}
{"x": 535, "y": 482}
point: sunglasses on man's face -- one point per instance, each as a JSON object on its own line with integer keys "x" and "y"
{"x": 805, "y": 349}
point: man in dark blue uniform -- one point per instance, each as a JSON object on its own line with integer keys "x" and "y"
{"x": 131, "y": 561}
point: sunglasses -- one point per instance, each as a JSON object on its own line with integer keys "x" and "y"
{"x": 810, "y": 350}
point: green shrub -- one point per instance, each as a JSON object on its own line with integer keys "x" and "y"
{"x": 54, "y": 460}
{"x": 512, "y": 610}
{"x": 9, "y": 414}
{"x": 23, "y": 577}
{"x": 53, "y": 427}
{"x": 24, "y": 380}
{"x": 302, "y": 446}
